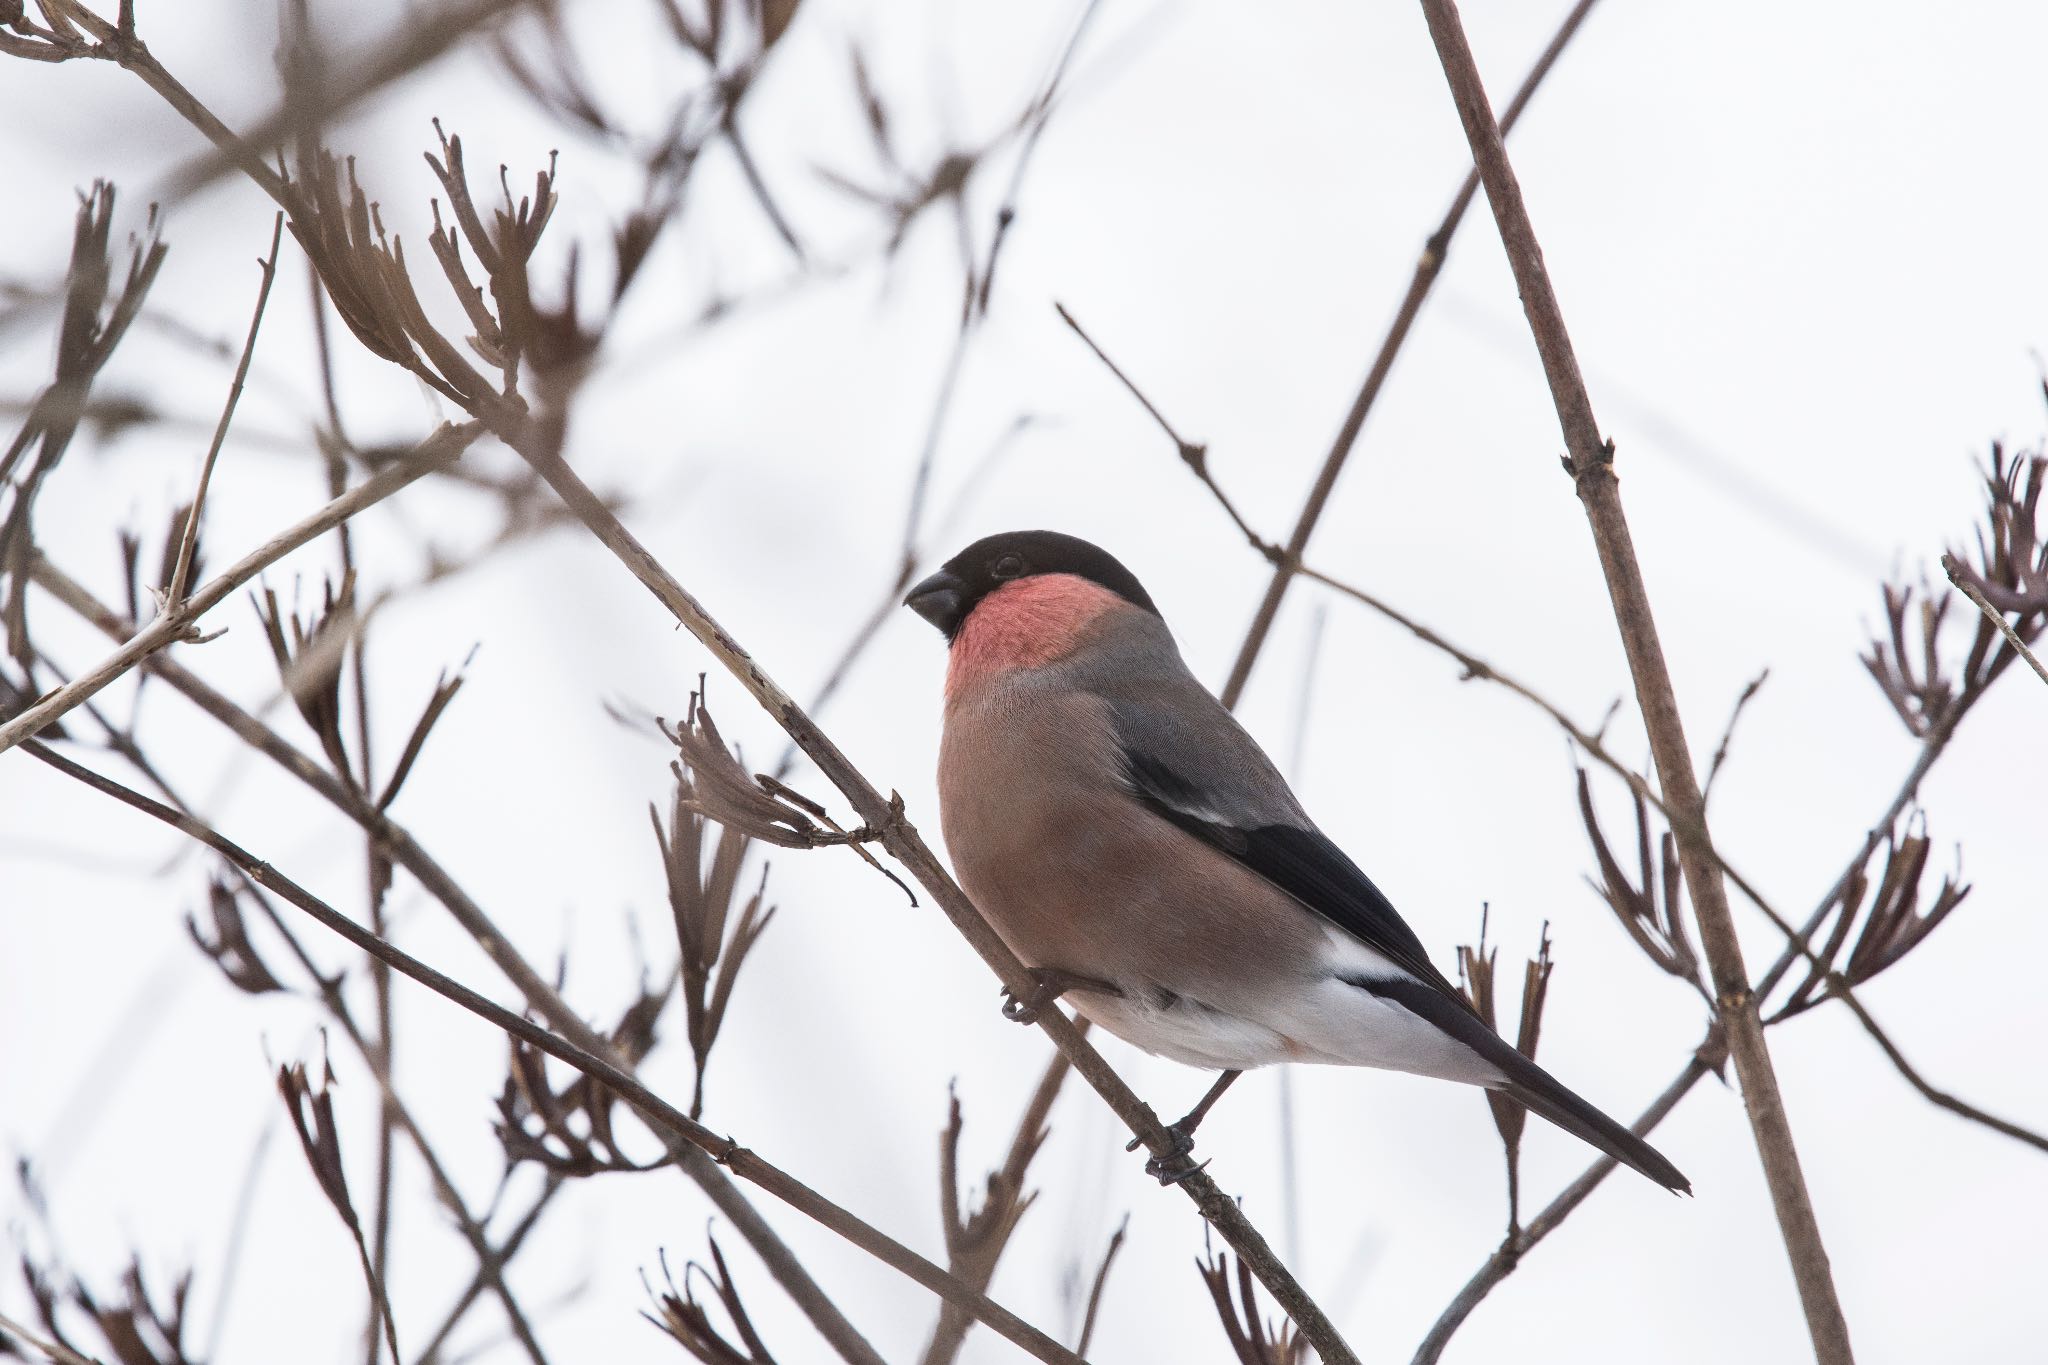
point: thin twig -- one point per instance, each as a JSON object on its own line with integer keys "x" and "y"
{"x": 1942, "y": 1098}
{"x": 1993, "y": 615}
{"x": 1591, "y": 466}
{"x": 444, "y": 445}
{"x": 1116, "y": 1242}
{"x": 1742, "y": 701}
{"x": 1503, "y": 1262}
{"x": 189, "y": 542}
{"x": 491, "y": 1269}
{"x": 1040, "y": 115}
{"x": 1706, "y": 1059}
{"x": 978, "y": 1266}
{"x": 679, "y": 1129}
{"x": 1193, "y": 454}
{"x": 407, "y": 853}
{"x": 1431, "y": 264}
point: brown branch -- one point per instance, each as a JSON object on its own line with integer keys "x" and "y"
{"x": 1591, "y": 466}
{"x": 443, "y": 446}
{"x": 1116, "y": 1243}
{"x": 1953, "y": 569}
{"x": 1503, "y": 1262}
{"x": 975, "y": 1243}
{"x": 174, "y": 591}
{"x": 1193, "y": 454}
{"x": 1419, "y": 285}
{"x": 491, "y": 1267}
{"x": 406, "y": 852}
{"x": 1942, "y": 1098}
{"x": 1706, "y": 1059}
{"x": 681, "y": 1133}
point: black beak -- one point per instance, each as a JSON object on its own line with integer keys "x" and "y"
{"x": 941, "y": 600}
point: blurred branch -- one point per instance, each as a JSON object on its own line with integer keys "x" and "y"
{"x": 975, "y": 1241}
{"x": 319, "y": 1136}
{"x": 1431, "y": 264}
{"x": 174, "y": 591}
{"x": 1742, "y": 701}
{"x": 407, "y": 853}
{"x": 980, "y": 280}
{"x": 1252, "y": 1340}
{"x": 1101, "y": 1282}
{"x": 175, "y": 624}
{"x": 679, "y": 1130}
{"x": 490, "y": 1261}
{"x": 1591, "y": 465}
{"x": 685, "y": 1321}
{"x": 490, "y": 1270}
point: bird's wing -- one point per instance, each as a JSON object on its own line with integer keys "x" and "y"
{"x": 1241, "y": 807}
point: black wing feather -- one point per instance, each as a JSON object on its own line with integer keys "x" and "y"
{"x": 1300, "y": 861}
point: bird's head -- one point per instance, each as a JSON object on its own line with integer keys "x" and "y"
{"x": 997, "y": 571}
{"x": 1022, "y": 599}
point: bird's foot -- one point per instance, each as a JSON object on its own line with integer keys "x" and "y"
{"x": 1047, "y": 985}
{"x": 1177, "y": 1163}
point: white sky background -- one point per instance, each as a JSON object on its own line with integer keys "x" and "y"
{"x": 1800, "y": 252}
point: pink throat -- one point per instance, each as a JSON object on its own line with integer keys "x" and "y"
{"x": 1024, "y": 624}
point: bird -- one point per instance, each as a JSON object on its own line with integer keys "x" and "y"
{"x": 1138, "y": 851}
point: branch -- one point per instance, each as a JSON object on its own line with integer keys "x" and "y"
{"x": 1504, "y": 1261}
{"x": 1591, "y": 465}
{"x": 975, "y": 1243}
{"x": 1992, "y": 614}
{"x": 438, "y": 449}
{"x": 1427, "y": 268}
{"x": 1707, "y": 1058}
{"x": 407, "y": 853}
{"x": 188, "y": 544}
{"x": 679, "y": 1130}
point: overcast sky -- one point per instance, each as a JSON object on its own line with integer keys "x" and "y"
{"x": 1800, "y": 251}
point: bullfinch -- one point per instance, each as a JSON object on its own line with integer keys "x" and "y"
{"x": 1138, "y": 850}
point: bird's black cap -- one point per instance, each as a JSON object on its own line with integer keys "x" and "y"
{"x": 948, "y": 596}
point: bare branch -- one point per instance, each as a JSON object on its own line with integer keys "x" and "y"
{"x": 1591, "y": 466}
{"x": 443, "y": 446}
{"x": 1431, "y": 264}
{"x": 174, "y": 590}
{"x": 680, "y": 1130}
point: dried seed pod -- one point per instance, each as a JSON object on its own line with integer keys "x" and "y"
{"x": 1652, "y": 910}
{"x": 1891, "y": 927}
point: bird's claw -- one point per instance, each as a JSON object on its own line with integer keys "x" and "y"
{"x": 1173, "y": 1165}
{"x": 1047, "y": 985}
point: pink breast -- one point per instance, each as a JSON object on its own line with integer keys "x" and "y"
{"x": 1024, "y": 624}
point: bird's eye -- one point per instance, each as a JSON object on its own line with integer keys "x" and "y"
{"x": 1009, "y": 566}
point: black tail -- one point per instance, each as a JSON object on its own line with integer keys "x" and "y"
{"x": 1536, "y": 1089}
{"x": 1540, "y": 1094}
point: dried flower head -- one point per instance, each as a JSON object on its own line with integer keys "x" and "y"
{"x": 1892, "y": 926}
{"x": 1652, "y": 909}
